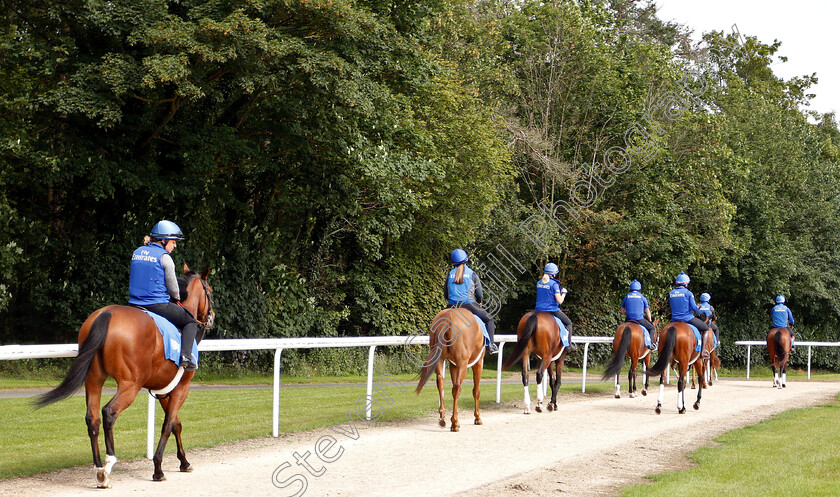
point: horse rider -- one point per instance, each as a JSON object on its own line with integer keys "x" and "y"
{"x": 709, "y": 310}
{"x": 463, "y": 289}
{"x": 782, "y": 317}
{"x": 152, "y": 282}
{"x": 550, "y": 294}
{"x": 635, "y": 308}
{"x": 684, "y": 308}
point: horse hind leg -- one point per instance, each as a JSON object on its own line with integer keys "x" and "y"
{"x": 479, "y": 366}
{"x": 540, "y": 389}
{"x": 458, "y": 373}
{"x": 93, "y": 397}
{"x": 440, "y": 379}
{"x": 527, "y": 394}
{"x": 126, "y": 393}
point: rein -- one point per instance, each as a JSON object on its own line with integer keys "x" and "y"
{"x": 207, "y": 323}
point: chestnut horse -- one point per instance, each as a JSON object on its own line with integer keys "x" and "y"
{"x": 778, "y": 347}
{"x": 537, "y": 332}
{"x": 629, "y": 342}
{"x": 455, "y": 337}
{"x": 677, "y": 343}
{"x": 124, "y": 343}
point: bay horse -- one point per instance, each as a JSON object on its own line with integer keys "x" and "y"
{"x": 123, "y": 342}
{"x": 778, "y": 348}
{"x": 455, "y": 337}
{"x": 538, "y": 333}
{"x": 708, "y": 364}
{"x": 678, "y": 343}
{"x": 629, "y": 342}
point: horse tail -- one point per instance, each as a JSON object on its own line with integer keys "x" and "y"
{"x": 431, "y": 361}
{"x": 618, "y": 360}
{"x": 780, "y": 351}
{"x": 77, "y": 374}
{"x": 527, "y": 335}
{"x": 664, "y": 354}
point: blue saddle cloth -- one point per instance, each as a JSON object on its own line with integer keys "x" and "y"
{"x": 564, "y": 333}
{"x": 171, "y": 339}
{"x": 698, "y": 336}
{"x": 483, "y": 330}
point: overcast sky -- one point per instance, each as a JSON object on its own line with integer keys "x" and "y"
{"x": 808, "y": 29}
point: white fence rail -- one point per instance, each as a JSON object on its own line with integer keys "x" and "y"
{"x": 750, "y": 343}
{"x": 15, "y": 352}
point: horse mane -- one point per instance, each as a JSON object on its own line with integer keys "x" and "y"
{"x": 183, "y": 282}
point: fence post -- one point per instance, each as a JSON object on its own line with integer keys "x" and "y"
{"x": 748, "y": 361}
{"x": 275, "y": 413}
{"x": 499, "y": 373}
{"x": 150, "y": 427}
{"x": 369, "y": 383}
{"x": 585, "y": 359}
{"x": 809, "y": 362}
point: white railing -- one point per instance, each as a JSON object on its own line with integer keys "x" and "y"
{"x": 14, "y": 352}
{"x": 750, "y": 343}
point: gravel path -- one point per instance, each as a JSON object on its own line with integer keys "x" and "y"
{"x": 589, "y": 447}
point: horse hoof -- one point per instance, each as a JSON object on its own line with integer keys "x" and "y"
{"x": 186, "y": 469}
{"x": 658, "y": 410}
{"x": 442, "y": 423}
{"x": 454, "y": 428}
{"x": 527, "y": 411}
{"x": 478, "y": 421}
{"x": 550, "y": 407}
{"x": 103, "y": 479}
{"x": 644, "y": 393}
{"x": 696, "y": 406}
{"x": 617, "y": 396}
{"x": 159, "y": 477}
{"x": 784, "y": 385}
{"x": 681, "y": 411}
{"x": 538, "y": 409}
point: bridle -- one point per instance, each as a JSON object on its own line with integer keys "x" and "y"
{"x": 208, "y": 316}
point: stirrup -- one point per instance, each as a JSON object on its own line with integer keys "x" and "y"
{"x": 188, "y": 363}
{"x": 494, "y": 349}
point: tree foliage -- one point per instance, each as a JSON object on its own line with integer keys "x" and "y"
{"x": 325, "y": 156}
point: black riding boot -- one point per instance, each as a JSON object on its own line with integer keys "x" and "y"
{"x": 491, "y": 332}
{"x": 571, "y": 346}
{"x": 187, "y": 337}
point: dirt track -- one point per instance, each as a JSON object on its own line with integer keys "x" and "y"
{"x": 589, "y": 447}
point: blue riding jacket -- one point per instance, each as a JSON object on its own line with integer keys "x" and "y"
{"x": 781, "y": 316}
{"x": 634, "y": 305}
{"x": 545, "y": 295}
{"x": 682, "y": 303}
{"x": 466, "y": 292}
{"x": 147, "y": 282}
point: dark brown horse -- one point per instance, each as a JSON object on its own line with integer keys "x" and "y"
{"x": 538, "y": 333}
{"x": 778, "y": 347}
{"x": 629, "y": 342}
{"x": 455, "y": 337}
{"x": 124, "y": 343}
{"x": 678, "y": 343}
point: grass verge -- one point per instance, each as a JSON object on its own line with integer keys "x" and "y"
{"x": 793, "y": 453}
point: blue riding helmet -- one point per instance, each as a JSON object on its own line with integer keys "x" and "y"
{"x": 459, "y": 256}
{"x": 705, "y": 297}
{"x": 551, "y": 269}
{"x": 166, "y": 230}
{"x": 780, "y": 299}
{"x": 683, "y": 279}
{"x": 635, "y": 286}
